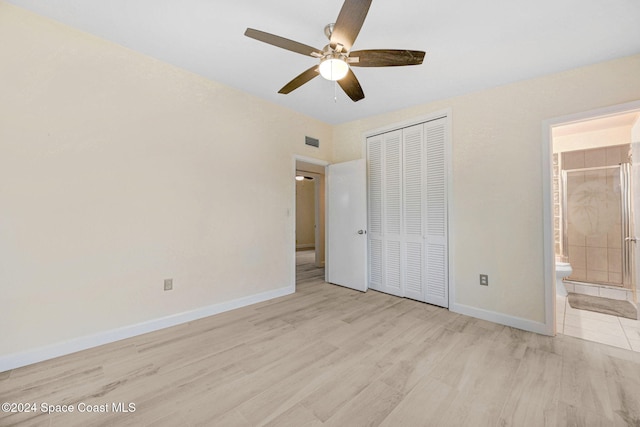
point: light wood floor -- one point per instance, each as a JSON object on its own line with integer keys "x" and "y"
{"x": 331, "y": 356}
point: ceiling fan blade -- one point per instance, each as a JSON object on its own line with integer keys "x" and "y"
{"x": 349, "y": 23}
{"x": 281, "y": 42}
{"x": 351, "y": 86}
{"x": 301, "y": 79}
{"x": 385, "y": 58}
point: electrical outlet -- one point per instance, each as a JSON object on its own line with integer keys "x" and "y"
{"x": 168, "y": 284}
{"x": 484, "y": 279}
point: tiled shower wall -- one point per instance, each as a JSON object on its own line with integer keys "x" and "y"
{"x": 595, "y": 257}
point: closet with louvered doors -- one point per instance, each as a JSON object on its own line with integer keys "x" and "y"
{"x": 407, "y": 197}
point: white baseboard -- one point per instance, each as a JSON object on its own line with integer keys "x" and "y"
{"x": 16, "y": 360}
{"x": 502, "y": 319}
{"x": 306, "y": 246}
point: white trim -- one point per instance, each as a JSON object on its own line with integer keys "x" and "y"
{"x": 306, "y": 246}
{"x": 311, "y": 160}
{"x": 502, "y": 319}
{"x": 598, "y": 113}
{"x": 448, "y": 147}
{"x": 408, "y": 123}
{"x": 17, "y": 360}
{"x": 547, "y": 206}
{"x": 548, "y": 254}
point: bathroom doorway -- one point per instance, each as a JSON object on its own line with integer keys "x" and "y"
{"x": 594, "y": 242}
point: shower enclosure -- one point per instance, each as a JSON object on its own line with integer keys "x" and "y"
{"x": 597, "y": 225}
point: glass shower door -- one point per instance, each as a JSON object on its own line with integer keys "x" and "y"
{"x": 595, "y": 218}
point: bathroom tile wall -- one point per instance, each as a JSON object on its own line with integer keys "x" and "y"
{"x": 594, "y": 234}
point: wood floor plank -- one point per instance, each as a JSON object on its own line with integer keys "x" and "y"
{"x": 536, "y": 390}
{"x": 297, "y": 416}
{"x": 427, "y": 404}
{"x": 339, "y": 389}
{"x": 567, "y": 415}
{"x": 585, "y": 387}
{"x": 484, "y": 387}
{"x": 623, "y": 381}
{"x": 282, "y": 396}
{"x": 368, "y": 408}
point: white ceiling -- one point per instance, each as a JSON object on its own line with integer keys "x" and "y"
{"x": 470, "y": 44}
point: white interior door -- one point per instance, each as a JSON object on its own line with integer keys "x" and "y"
{"x": 347, "y": 224}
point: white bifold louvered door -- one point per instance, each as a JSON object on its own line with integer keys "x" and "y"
{"x": 413, "y": 208}
{"x": 435, "y": 234}
{"x": 393, "y": 213}
{"x": 407, "y": 212}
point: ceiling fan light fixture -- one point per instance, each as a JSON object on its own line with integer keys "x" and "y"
{"x": 333, "y": 67}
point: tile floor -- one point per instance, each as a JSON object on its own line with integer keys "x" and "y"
{"x": 603, "y": 328}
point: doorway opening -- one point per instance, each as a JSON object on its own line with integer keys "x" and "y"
{"x": 589, "y": 234}
{"x": 309, "y": 221}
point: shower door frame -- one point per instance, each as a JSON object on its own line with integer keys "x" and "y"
{"x": 626, "y": 229}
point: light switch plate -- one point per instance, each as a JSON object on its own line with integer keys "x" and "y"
{"x": 484, "y": 279}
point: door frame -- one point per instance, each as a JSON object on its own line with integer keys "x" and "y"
{"x": 547, "y": 198}
{"x": 299, "y": 158}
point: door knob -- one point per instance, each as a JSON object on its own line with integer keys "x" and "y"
{"x": 362, "y": 232}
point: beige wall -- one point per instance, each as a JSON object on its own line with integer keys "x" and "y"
{"x": 497, "y": 216}
{"x": 305, "y": 213}
{"x": 118, "y": 171}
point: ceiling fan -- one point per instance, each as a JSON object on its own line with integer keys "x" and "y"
{"x": 337, "y": 58}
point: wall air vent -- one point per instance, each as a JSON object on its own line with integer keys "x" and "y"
{"x": 314, "y": 142}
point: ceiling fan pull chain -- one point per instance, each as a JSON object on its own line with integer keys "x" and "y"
{"x": 335, "y": 92}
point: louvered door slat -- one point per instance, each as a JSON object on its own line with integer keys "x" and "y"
{"x": 393, "y": 268}
{"x": 393, "y": 183}
{"x": 437, "y": 286}
{"x": 412, "y": 174}
{"x": 393, "y": 212}
{"x": 414, "y": 278}
{"x": 374, "y": 178}
{"x": 375, "y": 164}
{"x": 375, "y": 263}
{"x": 413, "y": 210}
